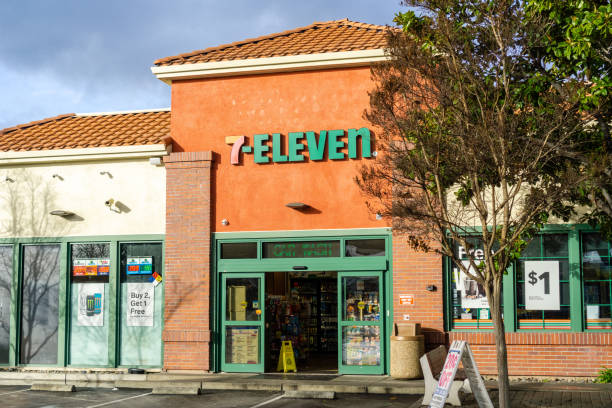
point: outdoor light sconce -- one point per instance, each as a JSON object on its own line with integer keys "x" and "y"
{"x": 431, "y": 288}
{"x": 297, "y": 206}
{"x": 61, "y": 213}
{"x": 155, "y": 161}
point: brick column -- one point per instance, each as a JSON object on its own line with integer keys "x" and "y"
{"x": 413, "y": 271}
{"x": 187, "y": 269}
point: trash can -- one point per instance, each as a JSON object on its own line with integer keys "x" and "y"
{"x": 407, "y": 346}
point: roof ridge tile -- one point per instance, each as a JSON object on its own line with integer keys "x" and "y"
{"x": 232, "y": 50}
{"x": 36, "y": 122}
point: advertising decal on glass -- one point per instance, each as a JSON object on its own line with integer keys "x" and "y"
{"x": 473, "y": 295}
{"x": 542, "y": 285}
{"x": 90, "y": 267}
{"x": 139, "y": 265}
{"x": 140, "y": 301}
{"x": 91, "y": 304}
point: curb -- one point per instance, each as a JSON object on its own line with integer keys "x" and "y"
{"x": 181, "y": 390}
{"x": 53, "y": 387}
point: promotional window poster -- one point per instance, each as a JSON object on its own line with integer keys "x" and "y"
{"x": 91, "y": 304}
{"x": 473, "y": 295}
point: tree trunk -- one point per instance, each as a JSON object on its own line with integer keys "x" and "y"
{"x": 494, "y": 296}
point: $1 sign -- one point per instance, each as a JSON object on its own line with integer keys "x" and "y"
{"x": 541, "y": 290}
{"x": 544, "y": 276}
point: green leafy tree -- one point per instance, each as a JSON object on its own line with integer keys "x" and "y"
{"x": 475, "y": 145}
{"x": 570, "y": 43}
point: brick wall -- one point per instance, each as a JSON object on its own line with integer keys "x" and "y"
{"x": 413, "y": 271}
{"x": 545, "y": 354}
{"x": 187, "y": 270}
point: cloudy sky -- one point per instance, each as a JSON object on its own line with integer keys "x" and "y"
{"x": 64, "y": 56}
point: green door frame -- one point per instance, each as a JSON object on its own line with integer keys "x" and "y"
{"x": 260, "y": 324}
{"x": 342, "y": 323}
{"x": 339, "y": 264}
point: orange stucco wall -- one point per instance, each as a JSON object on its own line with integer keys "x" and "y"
{"x": 251, "y": 196}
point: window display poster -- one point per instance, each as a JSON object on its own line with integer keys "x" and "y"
{"x": 91, "y": 304}
{"x": 473, "y": 295}
{"x": 140, "y": 301}
{"x": 139, "y": 265}
{"x": 90, "y": 267}
{"x": 542, "y": 285}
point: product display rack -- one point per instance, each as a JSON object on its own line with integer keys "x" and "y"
{"x": 328, "y": 300}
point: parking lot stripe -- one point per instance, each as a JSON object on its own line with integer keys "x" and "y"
{"x": 271, "y": 400}
{"x": 119, "y": 400}
{"x": 13, "y": 392}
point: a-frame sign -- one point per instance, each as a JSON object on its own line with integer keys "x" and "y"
{"x": 460, "y": 351}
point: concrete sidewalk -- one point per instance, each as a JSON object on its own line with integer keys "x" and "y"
{"x": 353, "y": 384}
{"x": 348, "y": 384}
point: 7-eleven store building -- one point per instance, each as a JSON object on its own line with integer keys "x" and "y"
{"x": 268, "y": 237}
{"x": 258, "y": 231}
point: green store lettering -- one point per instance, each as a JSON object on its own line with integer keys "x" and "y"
{"x": 292, "y": 148}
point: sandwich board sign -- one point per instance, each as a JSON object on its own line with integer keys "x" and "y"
{"x": 460, "y": 352}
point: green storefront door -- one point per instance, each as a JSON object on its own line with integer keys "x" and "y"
{"x": 242, "y": 331}
{"x": 360, "y": 323}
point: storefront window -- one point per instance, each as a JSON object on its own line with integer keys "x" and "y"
{"x": 597, "y": 275}
{"x": 242, "y": 298}
{"x": 89, "y": 275}
{"x": 39, "y": 304}
{"x": 6, "y": 273}
{"x": 361, "y": 298}
{"x": 365, "y": 247}
{"x": 141, "y": 310}
{"x": 301, "y": 249}
{"x": 242, "y": 345}
{"x": 542, "y": 284}
{"x": 470, "y": 306}
{"x": 239, "y": 250}
{"x": 361, "y": 345}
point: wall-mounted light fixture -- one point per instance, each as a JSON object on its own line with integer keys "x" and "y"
{"x": 431, "y": 288}
{"x": 61, "y": 213}
{"x": 155, "y": 161}
{"x": 224, "y": 222}
{"x": 297, "y": 205}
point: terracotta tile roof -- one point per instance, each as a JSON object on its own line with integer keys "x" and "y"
{"x": 72, "y": 131}
{"x": 329, "y": 36}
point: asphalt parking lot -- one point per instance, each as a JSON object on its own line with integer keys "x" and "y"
{"x": 22, "y": 397}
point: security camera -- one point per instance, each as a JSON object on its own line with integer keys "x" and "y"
{"x": 109, "y": 202}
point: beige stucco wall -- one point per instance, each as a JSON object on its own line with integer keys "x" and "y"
{"x": 137, "y": 187}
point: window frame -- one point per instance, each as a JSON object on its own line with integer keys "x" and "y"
{"x": 576, "y": 287}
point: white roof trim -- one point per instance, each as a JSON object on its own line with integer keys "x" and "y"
{"x": 302, "y": 62}
{"x": 123, "y": 112}
{"x": 86, "y": 154}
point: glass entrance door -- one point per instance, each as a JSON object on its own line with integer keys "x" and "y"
{"x": 242, "y": 331}
{"x": 360, "y": 323}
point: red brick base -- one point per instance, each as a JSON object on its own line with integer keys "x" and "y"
{"x": 545, "y": 354}
{"x": 187, "y": 269}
